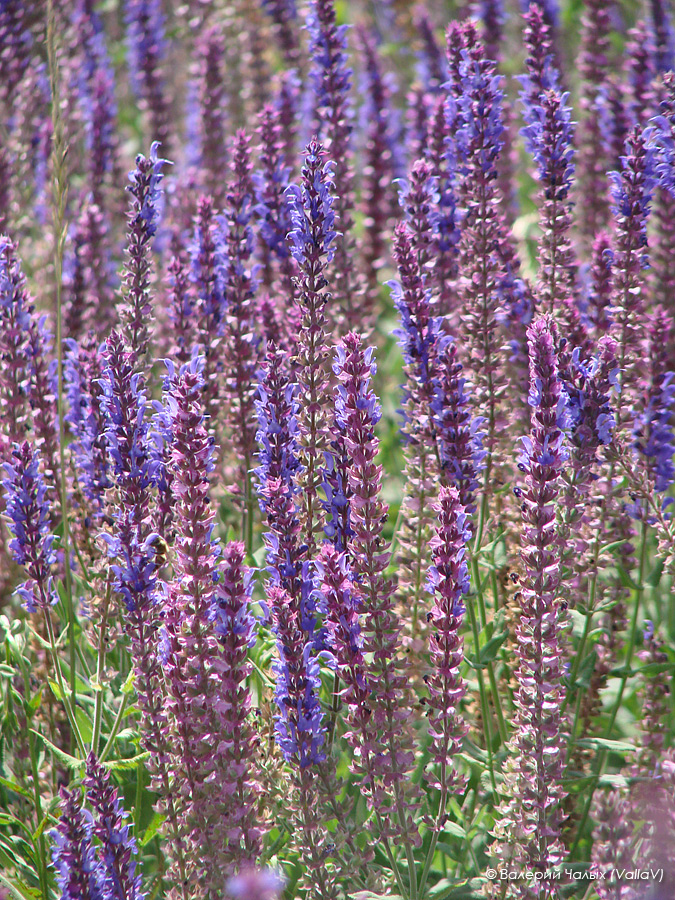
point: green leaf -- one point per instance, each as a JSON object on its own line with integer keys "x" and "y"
{"x": 455, "y": 830}
{"x": 65, "y": 758}
{"x": 368, "y": 895}
{"x": 607, "y": 548}
{"x": 586, "y": 670}
{"x": 604, "y": 744}
{"x": 449, "y": 890}
{"x": 489, "y": 651}
{"x": 152, "y": 829}
{"x": 16, "y": 788}
{"x": 123, "y": 765}
{"x": 41, "y": 827}
{"x": 128, "y": 686}
{"x": 56, "y": 690}
{"x": 20, "y": 890}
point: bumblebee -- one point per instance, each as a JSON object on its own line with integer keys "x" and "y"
{"x": 161, "y": 548}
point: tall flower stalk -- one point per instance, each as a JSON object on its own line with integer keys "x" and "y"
{"x": 312, "y": 245}
{"x": 357, "y": 412}
{"x": 142, "y": 226}
{"x": 529, "y": 832}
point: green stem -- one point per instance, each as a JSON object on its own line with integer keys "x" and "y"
{"x": 42, "y": 850}
{"x": 115, "y": 729}
{"x": 100, "y": 665}
{"x": 475, "y": 578}
{"x": 487, "y": 728}
{"x": 60, "y": 188}
{"x": 65, "y": 695}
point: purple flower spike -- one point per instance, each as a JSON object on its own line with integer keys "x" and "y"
{"x": 236, "y": 633}
{"x": 212, "y": 102}
{"x": 143, "y": 220}
{"x": 126, "y": 411}
{"x": 311, "y": 241}
{"x": 533, "y": 812}
{"x": 96, "y": 94}
{"x": 78, "y": 874}
{"x": 459, "y": 438}
{"x": 593, "y": 142}
{"x": 273, "y": 210}
{"x": 333, "y": 113}
{"x": 313, "y": 219}
{"x": 664, "y": 35}
{"x": 208, "y": 301}
{"x": 284, "y": 14}
{"x": 652, "y": 432}
{"x": 600, "y": 292}
{"x": 632, "y": 190}
{"x": 118, "y": 852}
{"x": 662, "y": 244}
{"x": 147, "y": 49}
{"x": 357, "y": 412}
{"x": 16, "y": 309}
{"x": 448, "y": 582}
{"x": 548, "y": 137}
{"x": 29, "y": 517}
{"x": 381, "y": 167}
{"x": 300, "y": 729}
{"x": 82, "y": 373}
{"x": 478, "y": 142}
{"x": 211, "y": 734}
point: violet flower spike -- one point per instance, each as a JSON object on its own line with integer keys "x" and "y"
{"x": 478, "y": 140}
{"x": 653, "y": 439}
{"x": 28, "y": 512}
{"x": 207, "y": 300}
{"x": 118, "y": 851}
{"x": 311, "y": 242}
{"x": 593, "y": 151}
{"x": 78, "y": 874}
{"x": 333, "y": 112}
{"x": 381, "y": 165}
{"x": 83, "y": 370}
{"x": 448, "y": 581}
{"x": 300, "y": 729}
{"x": 211, "y": 103}
{"x": 357, "y": 412}
{"x": 142, "y": 226}
{"x": 277, "y": 476}
{"x": 662, "y": 244}
{"x": 664, "y": 35}
{"x": 241, "y": 344}
{"x": 531, "y": 821}
{"x": 549, "y": 139}
{"x": 632, "y": 190}
{"x": 236, "y": 632}
{"x": 16, "y": 309}
{"x": 196, "y": 683}
{"x": 146, "y": 47}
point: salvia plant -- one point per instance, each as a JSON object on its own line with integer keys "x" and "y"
{"x": 337, "y": 450}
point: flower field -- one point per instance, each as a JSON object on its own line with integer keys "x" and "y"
{"x": 337, "y": 346}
